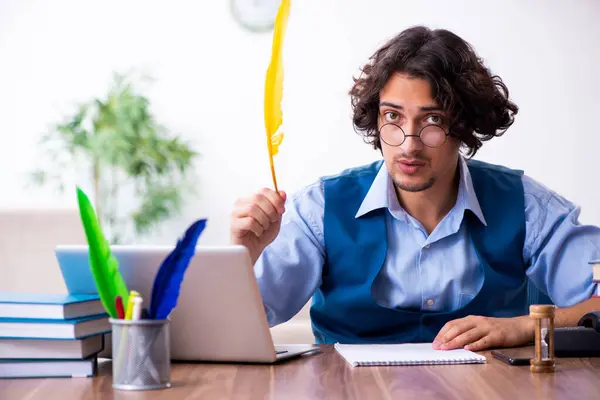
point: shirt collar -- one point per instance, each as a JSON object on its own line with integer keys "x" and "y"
{"x": 377, "y": 196}
{"x": 381, "y": 194}
{"x": 466, "y": 185}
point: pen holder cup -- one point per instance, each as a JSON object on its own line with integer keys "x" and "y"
{"x": 141, "y": 354}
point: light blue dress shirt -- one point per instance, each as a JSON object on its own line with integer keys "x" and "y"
{"x": 436, "y": 272}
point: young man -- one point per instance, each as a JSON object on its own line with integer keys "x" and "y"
{"x": 425, "y": 246}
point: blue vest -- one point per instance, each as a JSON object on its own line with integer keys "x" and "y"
{"x": 343, "y": 309}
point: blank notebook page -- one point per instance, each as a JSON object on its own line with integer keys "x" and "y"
{"x": 404, "y": 354}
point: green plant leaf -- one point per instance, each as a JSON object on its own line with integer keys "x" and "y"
{"x": 118, "y": 134}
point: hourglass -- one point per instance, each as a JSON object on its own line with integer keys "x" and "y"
{"x": 543, "y": 360}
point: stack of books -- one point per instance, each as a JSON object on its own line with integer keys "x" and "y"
{"x": 596, "y": 277}
{"x": 48, "y": 335}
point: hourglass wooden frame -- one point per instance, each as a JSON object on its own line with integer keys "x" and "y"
{"x": 544, "y": 360}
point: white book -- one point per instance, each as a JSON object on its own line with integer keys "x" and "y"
{"x": 48, "y": 368}
{"x": 404, "y": 354}
{"x": 21, "y": 348}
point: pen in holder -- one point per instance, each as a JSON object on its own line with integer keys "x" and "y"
{"x": 141, "y": 354}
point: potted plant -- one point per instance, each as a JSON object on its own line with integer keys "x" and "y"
{"x": 139, "y": 171}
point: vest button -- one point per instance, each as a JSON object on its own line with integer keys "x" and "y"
{"x": 430, "y": 302}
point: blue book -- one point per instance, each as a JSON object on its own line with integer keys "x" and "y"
{"x": 77, "y": 328}
{"x": 49, "y": 306}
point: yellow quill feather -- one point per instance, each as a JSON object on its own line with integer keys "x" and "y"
{"x": 274, "y": 86}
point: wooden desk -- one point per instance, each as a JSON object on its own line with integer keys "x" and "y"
{"x": 327, "y": 375}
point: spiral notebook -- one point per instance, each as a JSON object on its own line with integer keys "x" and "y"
{"x": 404, "y": 354}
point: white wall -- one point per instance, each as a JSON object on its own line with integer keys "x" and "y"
{"x": 210, "y": 76}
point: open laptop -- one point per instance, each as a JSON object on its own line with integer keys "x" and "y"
{"x": 219, "y": 315}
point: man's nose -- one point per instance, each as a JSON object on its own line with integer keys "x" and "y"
{"x": 412, "y": 142}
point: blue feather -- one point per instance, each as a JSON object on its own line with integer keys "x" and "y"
{"x": 167, "y": 283}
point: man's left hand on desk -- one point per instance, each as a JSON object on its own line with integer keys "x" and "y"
{"x": 477, "y": 333}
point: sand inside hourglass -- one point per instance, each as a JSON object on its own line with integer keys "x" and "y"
{"x": 544, "y": 331}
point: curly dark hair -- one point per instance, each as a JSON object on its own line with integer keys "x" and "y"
{"x": 475, "y": 101}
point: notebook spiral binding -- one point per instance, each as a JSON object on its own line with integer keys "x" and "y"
{"x": 429, "y": 362}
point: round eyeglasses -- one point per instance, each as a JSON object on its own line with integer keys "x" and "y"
{"x": 430, "y": 135}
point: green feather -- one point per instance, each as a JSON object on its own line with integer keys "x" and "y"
{"x": 105, "y": 267}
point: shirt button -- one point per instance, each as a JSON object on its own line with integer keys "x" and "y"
{"x": 430, "y": 302}
{"x": 427, "y": 245}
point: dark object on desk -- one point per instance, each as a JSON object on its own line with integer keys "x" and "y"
{"x": 580, "y": 341}
{"x": 516, "y": 356}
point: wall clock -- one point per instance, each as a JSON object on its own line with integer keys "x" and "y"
{"x": 255, "y": 15}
